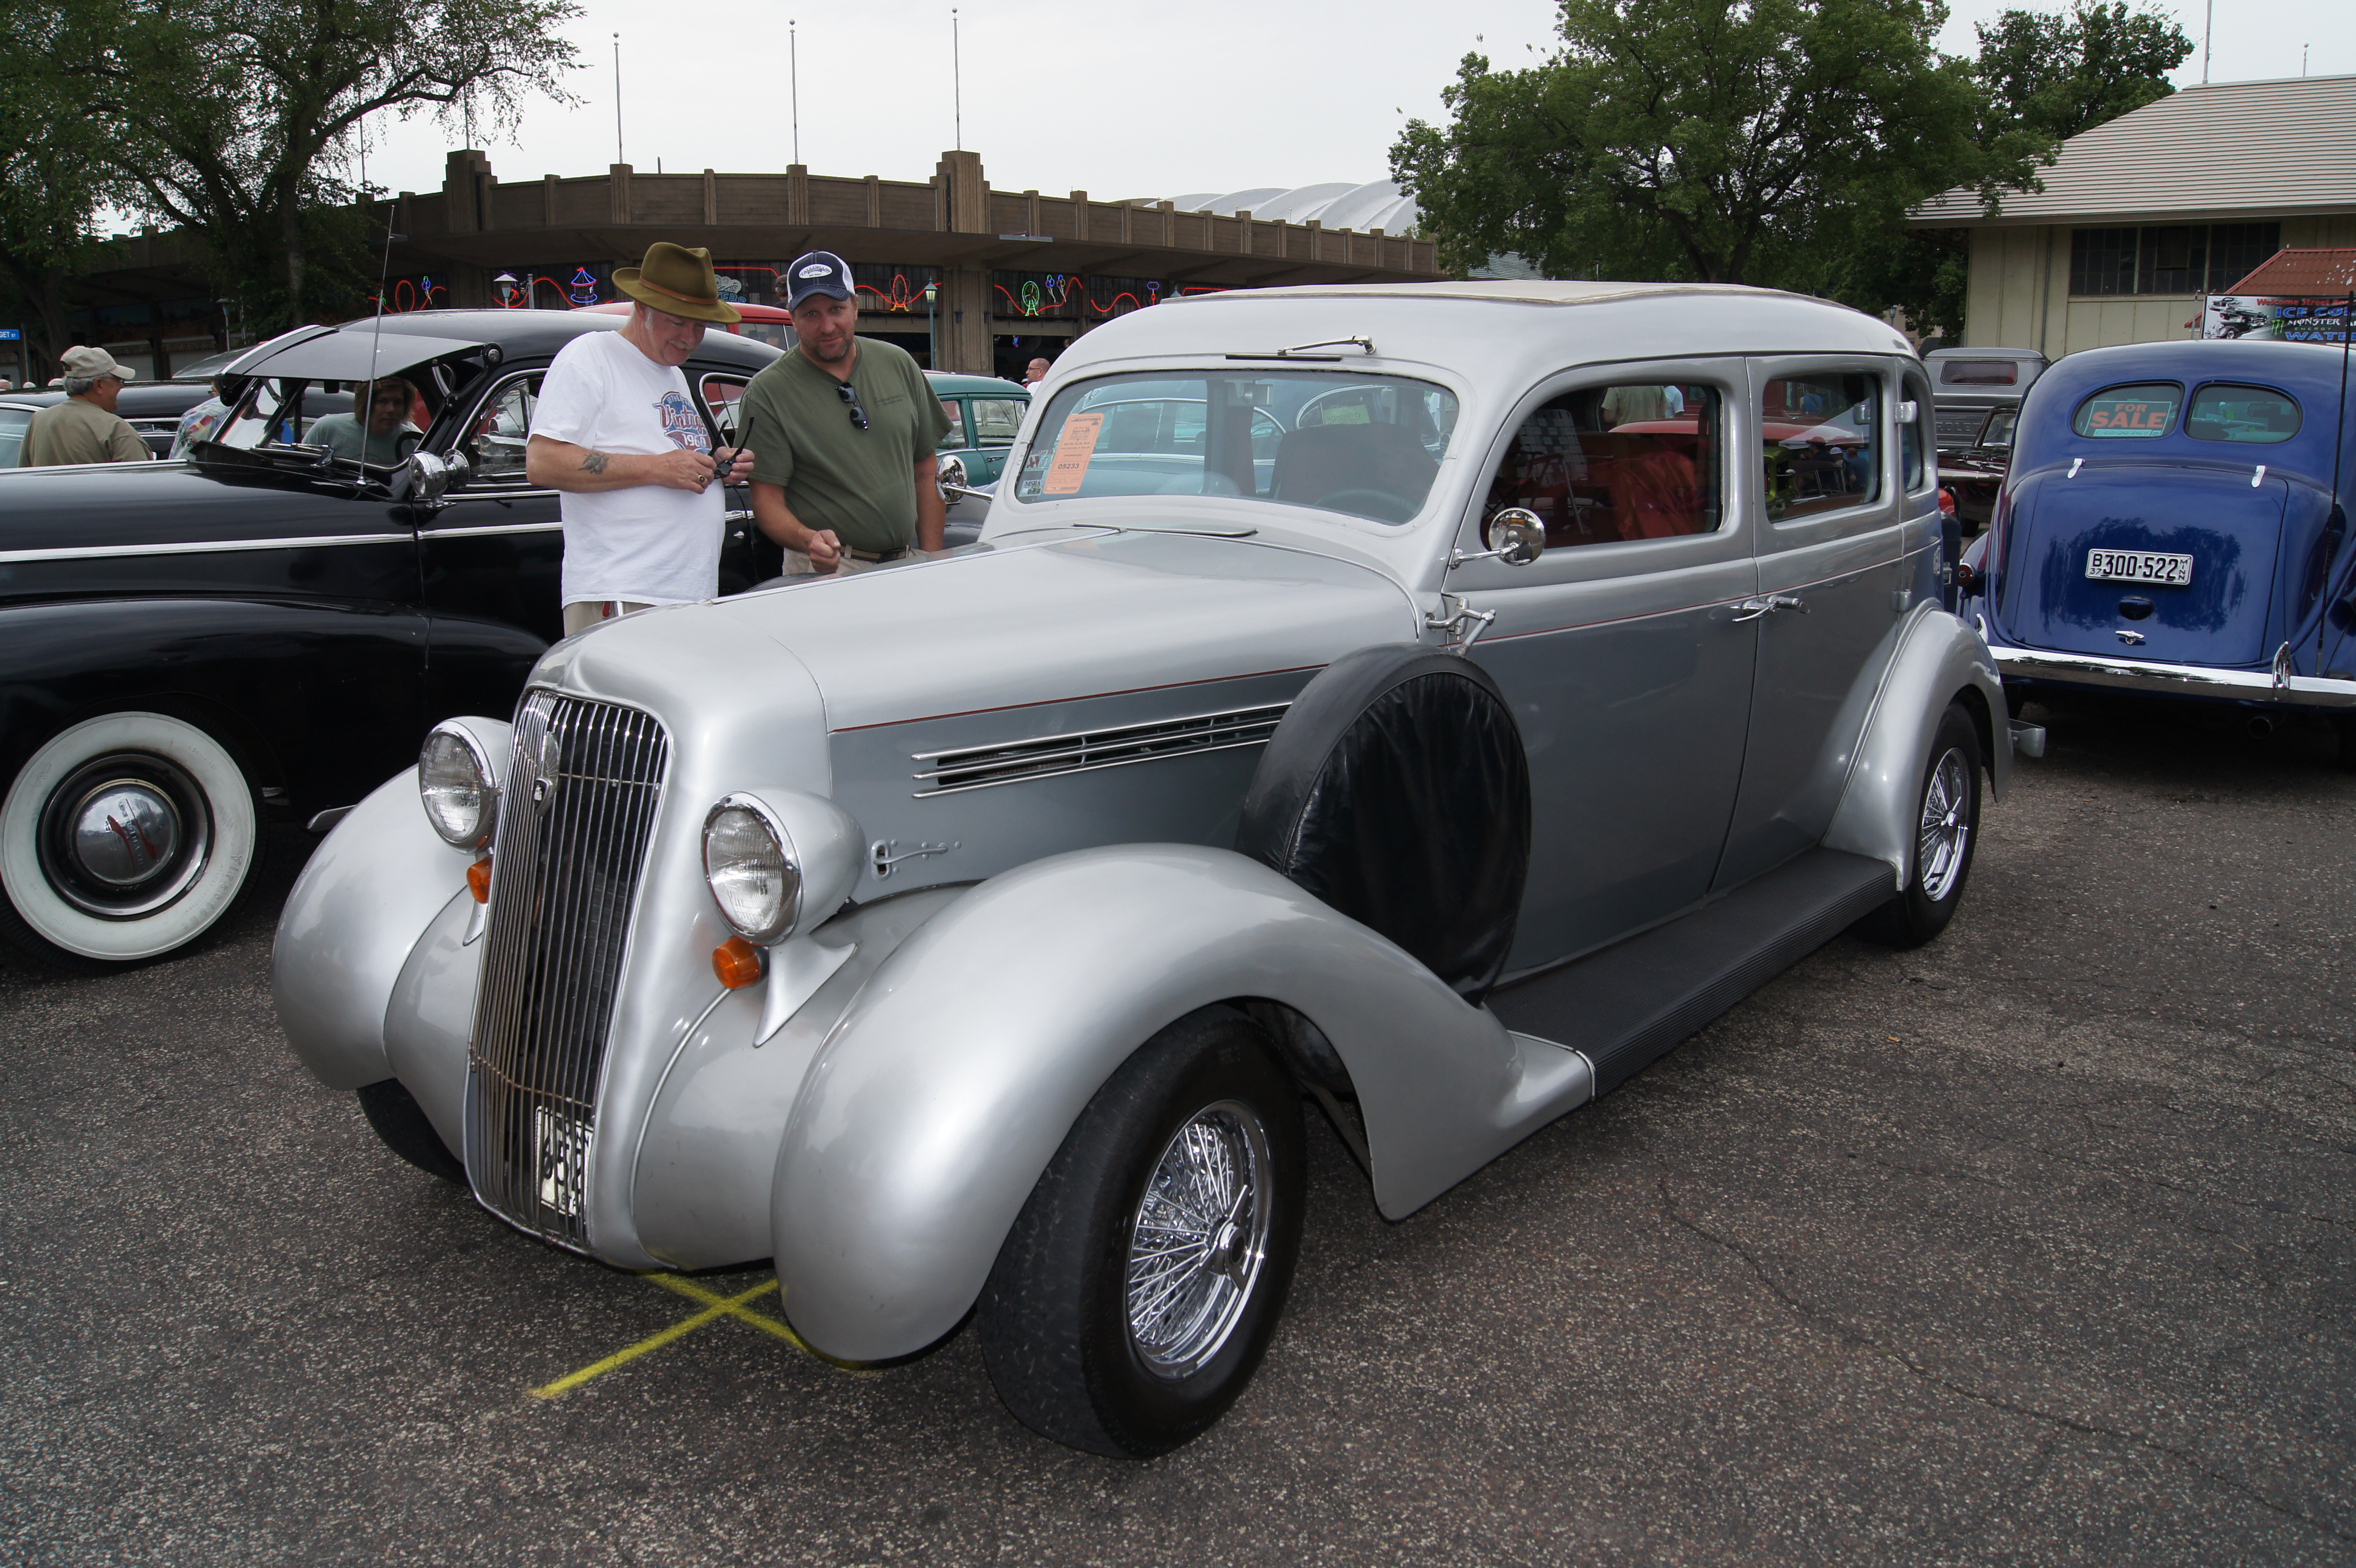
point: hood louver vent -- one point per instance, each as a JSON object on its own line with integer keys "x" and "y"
{"x": 1015, "y": 762}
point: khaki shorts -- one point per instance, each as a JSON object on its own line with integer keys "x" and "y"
{"x": 800, "y": 565}
{"x": 580, "y": 617}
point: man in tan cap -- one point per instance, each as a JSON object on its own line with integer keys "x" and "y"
{"x": 616, "y": 430}
{"x": 84, "y": 428}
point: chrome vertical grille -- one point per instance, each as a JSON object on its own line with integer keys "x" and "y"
{"x": 577, "y": 812}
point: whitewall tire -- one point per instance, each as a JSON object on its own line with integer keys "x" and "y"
{"x": 124, "y": 837}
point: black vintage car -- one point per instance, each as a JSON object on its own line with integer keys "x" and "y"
{"x": 265, "y": 630}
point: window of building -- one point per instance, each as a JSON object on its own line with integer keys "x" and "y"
{"x": 2183, "y": 258}
{"x": 1609, "y": 464}
{"x": 2223, "y": 413}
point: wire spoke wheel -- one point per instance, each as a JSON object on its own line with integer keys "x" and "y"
{"x": 1947, "y": 827}
{"x": 1198, "y": 1238}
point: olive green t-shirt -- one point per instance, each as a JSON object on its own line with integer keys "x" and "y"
{"x": 860, "y": 483}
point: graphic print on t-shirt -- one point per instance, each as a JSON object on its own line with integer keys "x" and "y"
{"x": 682, "y": 423}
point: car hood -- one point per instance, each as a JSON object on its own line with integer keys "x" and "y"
{"x": 1068, "y": 615}
{"x": 175, "y": 503}
{"x": 2230, "y": 526}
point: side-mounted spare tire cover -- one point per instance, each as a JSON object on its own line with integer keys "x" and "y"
{"x": 1396, "y": 790}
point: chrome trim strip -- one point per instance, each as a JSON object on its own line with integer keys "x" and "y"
{"x": 2178, "y": 680}
{"x": 1022, "y": 761}
{"x": 490, "y": 530}
{"x": 1107, "y": 734}
{"x": 201, "y": 547}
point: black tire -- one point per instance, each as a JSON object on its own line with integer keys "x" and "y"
{"x": 1055, "y": 1321}
{"x": 1947, "y": 832}
{"x": 186, "y": 860}
{"x": 402, "y": 1122}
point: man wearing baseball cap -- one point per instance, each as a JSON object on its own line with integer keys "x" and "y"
{"x": 84, "y": 428}
{"x": 846, "y": 430}
{"x": 618, "y": 432}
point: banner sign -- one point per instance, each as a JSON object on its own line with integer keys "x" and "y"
{"x": 2287, "y": 318}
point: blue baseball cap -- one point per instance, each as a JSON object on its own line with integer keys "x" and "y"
{"x": 820, "y": 272}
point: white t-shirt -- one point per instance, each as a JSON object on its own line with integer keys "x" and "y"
{"x": 649, "y": 543}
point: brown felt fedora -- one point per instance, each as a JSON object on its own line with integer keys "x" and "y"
{"x": 678, "y": 282}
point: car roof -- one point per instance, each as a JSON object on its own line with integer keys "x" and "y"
{"x": 2307, "y": 372}
{"x": 954, "y": 381}
{"x": 532, "y": 333}
{"x": 1491, "y": 333}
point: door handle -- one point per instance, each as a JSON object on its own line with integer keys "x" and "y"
{"x": 1757, "y": 609}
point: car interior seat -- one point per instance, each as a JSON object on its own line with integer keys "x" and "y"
{"x": 1325, "y": 459}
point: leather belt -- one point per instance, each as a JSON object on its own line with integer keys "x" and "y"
{"x": 874, "y": 557}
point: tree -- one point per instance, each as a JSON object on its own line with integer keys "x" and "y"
{"x": 1776, "y": 142}
{"x": 52, "y": 187}
{"x": 2057, "y": 75}
{"x": 236, "y": 118}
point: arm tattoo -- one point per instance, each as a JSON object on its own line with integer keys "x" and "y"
{"x": 594, "y": 463}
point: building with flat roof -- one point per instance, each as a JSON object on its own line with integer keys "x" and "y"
{"x": 2144, "y": 215}
{"x": 1014, "y": 273}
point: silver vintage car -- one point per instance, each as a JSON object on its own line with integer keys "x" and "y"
{"x": 1430, "y": 703}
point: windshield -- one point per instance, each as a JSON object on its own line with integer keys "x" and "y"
{"x": 1365, "y": 445}
{"x": 286, "y": 413}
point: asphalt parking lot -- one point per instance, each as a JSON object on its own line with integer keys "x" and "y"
{"x": 2038, "y": 1245}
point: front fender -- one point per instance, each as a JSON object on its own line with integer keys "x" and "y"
{"x": 363, "y": 902}
{"x": 1938, "y": 660}
{"x": 933, "y": 1107}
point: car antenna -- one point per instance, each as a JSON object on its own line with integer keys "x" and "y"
{"x": 376, "y": 341}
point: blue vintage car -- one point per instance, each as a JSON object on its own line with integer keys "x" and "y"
{"x": 2171, "y": 526}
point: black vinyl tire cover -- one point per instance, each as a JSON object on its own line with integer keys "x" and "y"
{"x": 1396, "y": 791}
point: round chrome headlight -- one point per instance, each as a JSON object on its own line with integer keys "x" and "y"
{"x": 749, "y": 861}
{"x": 454, "y": 781}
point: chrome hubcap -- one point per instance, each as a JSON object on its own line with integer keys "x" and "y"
{"x": 1199, "y": 1239}
{"x": 124, "y": 831}
{"x": 125, "y": 836}
{"x": 1946, "y": 830}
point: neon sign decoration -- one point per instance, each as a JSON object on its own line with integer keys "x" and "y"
{"x": 1065, "y": 291}
{"x": 584, "y": 288}
{"x": 900, "y": 297}
{"x": 409, "y": 294}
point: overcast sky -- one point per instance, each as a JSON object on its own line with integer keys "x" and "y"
{"x": 1118, "y": 100}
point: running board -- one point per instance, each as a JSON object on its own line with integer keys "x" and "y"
{"x": 1625, "y": 1007}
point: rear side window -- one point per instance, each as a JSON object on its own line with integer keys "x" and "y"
{"x": 2130, "y": 412}
{"x": 997, "y": 420}
{"x": 2259, "y": 414}
{"x": 1823, "y": 444}
{"x": 1979, "y": 372}
{"x": 1606, "y": 465}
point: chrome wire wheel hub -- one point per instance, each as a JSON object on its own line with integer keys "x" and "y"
{"x": 1199, "y": 1240}
{"x": 1946, "y": 830}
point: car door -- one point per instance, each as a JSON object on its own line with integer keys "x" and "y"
{"x": 1831, "y": 536}
{"x": 1622, "y": 649}
{"x": 491, "y": 555}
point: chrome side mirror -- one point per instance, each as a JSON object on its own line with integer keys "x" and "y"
{"x": 423, "y": 477}
{"x": 1907, "y": 412}
{"x": 950, "y": 476}
{"x": 1514, "y": 536}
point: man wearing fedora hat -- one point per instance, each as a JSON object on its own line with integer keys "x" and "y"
{"x": 618, "y": 432}
{"x": 84, "y": 427}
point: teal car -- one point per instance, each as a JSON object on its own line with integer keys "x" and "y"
{"x": 984, "y": 413}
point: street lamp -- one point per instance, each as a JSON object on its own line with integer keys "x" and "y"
{"x": 508, "y": 284}
{"x": 932, "y": 328}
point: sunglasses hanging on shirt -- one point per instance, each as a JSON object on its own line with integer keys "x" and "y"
{"x": 849, "y": 394}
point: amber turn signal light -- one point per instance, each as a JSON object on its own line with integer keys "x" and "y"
{"x": 738, "y": 964}
{"x": 478, "y": 880}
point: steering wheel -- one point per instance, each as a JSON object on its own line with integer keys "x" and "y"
{"x": 1380, "y": 505}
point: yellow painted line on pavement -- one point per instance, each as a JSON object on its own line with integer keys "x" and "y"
{"x": 716, "y": 1308}
{"x": 734, "y": 1307}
